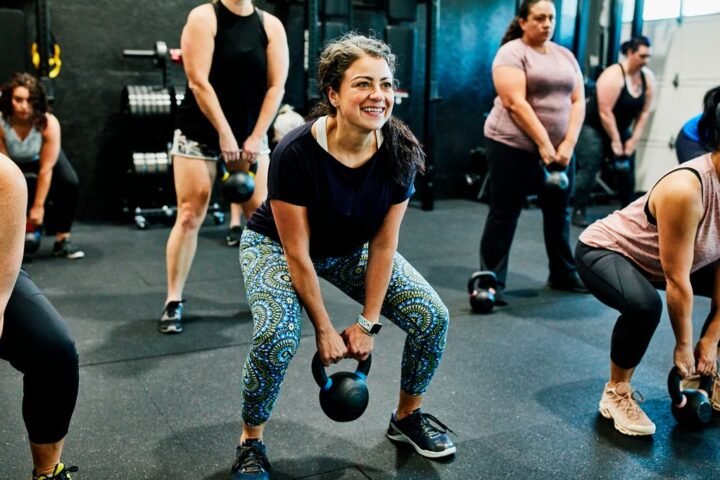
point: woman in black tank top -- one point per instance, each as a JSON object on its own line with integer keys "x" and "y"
{"x": 617, "y": 115}
{"x": 236, "y": 61}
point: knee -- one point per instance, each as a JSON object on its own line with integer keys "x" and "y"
{"x": 647, "y": 311}
{"x": 59, "y": 356}
{"x": 191, "y": 213}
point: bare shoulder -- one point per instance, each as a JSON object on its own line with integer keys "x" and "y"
{"x": 273, "y": 25}
{"x": 680, "y": 193}
{"x": 11, "y": 178}
{"x": 612, "y": 74}
{"x": 202, "y": 14}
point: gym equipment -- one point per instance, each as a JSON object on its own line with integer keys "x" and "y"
{"x": 237, "y": 187}
{"x": 690, "y": 406}
{"x": 621, "y": 163}
{"x": 33, "y": 238}
{"x": 482, "y": 287}
{"x": 344, "y": 396}
{"x": 556, "y": 179}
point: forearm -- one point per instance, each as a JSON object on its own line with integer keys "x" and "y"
{"x": 610, "y": 126}
{"x": 379, "y": 271}
{"x": 639, "y": 126}
{"x": 525, "y": 117}
{"x": 577, "y": 117}
{"x": 679, "y": 297}
{"x": 307, "y": 285}
{"x": 270, "y": 106}
{"x": 210, "y": 106}
{"x": 42, "y": 187}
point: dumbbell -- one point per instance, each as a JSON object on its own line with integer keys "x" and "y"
{"x": 556, "y": 179}
{"x": 482, "y": 287}
{"x": 690, "y": 406}
{"x": 237, "y": 187}
{"x": 33, "y": 238}
{"x": 343, "y": 396}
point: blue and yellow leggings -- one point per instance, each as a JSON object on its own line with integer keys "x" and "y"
{"x": 411, "y": 303}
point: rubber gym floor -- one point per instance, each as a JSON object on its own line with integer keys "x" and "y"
{"x": 520, "y": 386}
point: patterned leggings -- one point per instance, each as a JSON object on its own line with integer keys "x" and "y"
{"x": 410, "y": 303}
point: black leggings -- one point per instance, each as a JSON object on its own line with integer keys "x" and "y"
{"x": 62, "y": 199}
{"x": 622, "y": 285}
{"x": 515, "y": 174}
{"x": 36, "y": 342}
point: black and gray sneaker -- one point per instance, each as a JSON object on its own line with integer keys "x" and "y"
{"x": 232, "y": 239}
{"x": 65, "y": 248}
{"x": 171, "y": 320}
{"x": 251, "y": 462}
{"x": 60, "y": 472}
{"x": 428, "y": 440}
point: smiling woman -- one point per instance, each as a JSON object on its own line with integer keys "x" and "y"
{"x": 338, "y": 188}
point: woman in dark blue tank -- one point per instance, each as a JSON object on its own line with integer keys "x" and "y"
{"x": 34, "y": 339}
{"x": 615, "y": 120}
{"x": 236, "y": 60}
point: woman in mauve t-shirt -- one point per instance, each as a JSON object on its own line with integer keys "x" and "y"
{"x": 535, "y": 122}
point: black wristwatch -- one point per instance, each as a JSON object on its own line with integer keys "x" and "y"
{"x": 368, "y": 327}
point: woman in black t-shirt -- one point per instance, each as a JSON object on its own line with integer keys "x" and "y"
{"x": 338, "y": 188}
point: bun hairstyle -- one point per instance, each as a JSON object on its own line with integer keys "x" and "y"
{"x": 336, "y": 57}
{"x": 634, "y": 43}
{"x": 709, "y": 124}
{"x": 514, "y": 31}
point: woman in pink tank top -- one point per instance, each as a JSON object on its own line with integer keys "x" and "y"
{"x": 535, "y": 122}
{"x": 668, "y": 239}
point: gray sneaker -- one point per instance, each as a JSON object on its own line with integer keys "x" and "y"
{"x": 171, "y": 319}
{"x": 620, "y": 403}
{"x": 65, "y": 248}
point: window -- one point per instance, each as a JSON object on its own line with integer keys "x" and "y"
{"x": 656, "y": 10}
{"x": 700, "y": 7}
{"x": 628, "y": 11}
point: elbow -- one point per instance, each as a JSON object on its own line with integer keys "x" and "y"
{"x": 198, "y": 86}
{"x": 510, "y": 104}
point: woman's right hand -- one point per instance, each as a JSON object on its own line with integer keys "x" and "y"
{"x": 547, "y": 154}
{"x": 331, "y": 346}
{"x": 617, "y": 148}
{"x": 229, "y": 148}
{"x": 684, "y": 360}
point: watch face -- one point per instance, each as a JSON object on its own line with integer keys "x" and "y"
{"x": 375, "y": 328}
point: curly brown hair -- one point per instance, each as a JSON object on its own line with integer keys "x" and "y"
{"x": 38, "y": 98}
{"x": 337, "y": 56}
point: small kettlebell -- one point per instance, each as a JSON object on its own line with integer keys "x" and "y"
{"x": 556, "y": 179}
{"x": 482, "y": 287}
{"x": 621, "y": 163}
{"x": 690, "y": 406}
{"x": 33, "y": 238}
{"x": 344, "y": 396}
{"x": 237, "y": 187}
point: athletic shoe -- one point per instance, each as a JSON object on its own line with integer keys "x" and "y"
{"x": 251, "y": 462}
{"x": 427, "y": 439}
{"x": 171, "y": 320}
{"x": 232, "y": 239}
{"x": 65, "y": 248}
{"x": 60, "y": 472}
{"x": 620, "y": 403}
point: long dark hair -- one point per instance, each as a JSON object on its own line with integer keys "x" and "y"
{"x": 514, "y": 31}
{"x": 709, "y": 124}
{"x": 38, "y": 98}
{"x": 337, "y": 56}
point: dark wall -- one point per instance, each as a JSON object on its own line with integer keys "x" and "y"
{"x": 93, "y": 34}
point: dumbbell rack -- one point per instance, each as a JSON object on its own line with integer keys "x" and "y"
{"x": 148, "y": 122}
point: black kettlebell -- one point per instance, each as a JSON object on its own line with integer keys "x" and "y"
{"x": 33, "y": 238}
{"x": 690, "y": 406}
{"x": 621, "y": 163}
{"x": 237, "y": 187}
{"x": 556, "y": 179}
{"x": 482, "y": 287}
{"x": 344, "y": 396}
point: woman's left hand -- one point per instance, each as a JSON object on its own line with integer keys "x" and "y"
{"x": 565, "y": 153}
{"x": 251, "y": 149}
{"x": 706, "y": 356}
{"x": 629, "y": 146}
{"x": 359, "y": 343}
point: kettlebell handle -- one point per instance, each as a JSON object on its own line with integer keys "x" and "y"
{"x": 676, "y": 395}
{"x": 322, "y": 379}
